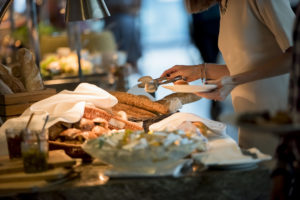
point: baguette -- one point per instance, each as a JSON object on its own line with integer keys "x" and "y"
{"x": 175, "y": 101}
{"x": 140, "y": 102}
{"x": 30, "y": 74}
{"x": 12, "y": 82}
{"x": 173, "y": 104}
{"x": 144, "y": 97}
{"x": 133, "y": 113}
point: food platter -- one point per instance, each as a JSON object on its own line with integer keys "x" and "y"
{"x": 142, "y": 152}
{"x": 190, "y": 88}
{"x": 225, "y": 154}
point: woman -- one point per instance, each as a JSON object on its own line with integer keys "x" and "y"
{"x": 255, "y": 40}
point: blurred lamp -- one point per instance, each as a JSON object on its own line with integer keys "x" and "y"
{"x": 80, "y": 10}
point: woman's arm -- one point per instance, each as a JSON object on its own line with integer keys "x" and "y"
{"x": 215, "y": 71}
{"x": 277, "y": 66}
{"x": 194, "y": 72}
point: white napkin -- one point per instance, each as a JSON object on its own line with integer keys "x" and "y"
{"x": 66, "y": 106}
{"x": 225, "y": 151}
{"x": 64, "y": 101}
{"x": 172, "y": 123}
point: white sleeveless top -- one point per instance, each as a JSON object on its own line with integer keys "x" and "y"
{"x": 251, "y": 33}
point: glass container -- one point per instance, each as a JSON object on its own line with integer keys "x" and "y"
{"x": 34, "y": 151}
{"x": 14, "y": 139}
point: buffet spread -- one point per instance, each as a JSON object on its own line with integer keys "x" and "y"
{"x": 130, "y": 133}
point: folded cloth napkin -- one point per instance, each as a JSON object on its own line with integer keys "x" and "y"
{"x": 58, "y": 104}
{"x": 172, "y": 123}
{"x": 66, "y": 106}
{"x": 225, "y": 151}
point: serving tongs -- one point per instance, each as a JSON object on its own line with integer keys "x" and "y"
{"x": 150, "y": 85}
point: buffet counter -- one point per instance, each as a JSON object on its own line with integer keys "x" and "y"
{"x": 162, "y": 162}
{"x": 202, "y": 184}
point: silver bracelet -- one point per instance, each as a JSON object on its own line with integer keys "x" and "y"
{"x": 201, "y": 73}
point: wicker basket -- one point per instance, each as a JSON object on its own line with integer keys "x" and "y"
{"x": 73, "y": 150}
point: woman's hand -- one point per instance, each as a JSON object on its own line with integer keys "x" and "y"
{"x": 190, "y": 72}
{"x": 225, "y": 86}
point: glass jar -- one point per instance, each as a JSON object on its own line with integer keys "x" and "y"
{"x": 34, "y": 152}
{"x": 13, "y": 138}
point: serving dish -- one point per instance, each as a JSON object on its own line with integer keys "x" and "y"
{"x": 142, "y": 152}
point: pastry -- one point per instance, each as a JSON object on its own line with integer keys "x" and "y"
{"x": 114, "y": 122}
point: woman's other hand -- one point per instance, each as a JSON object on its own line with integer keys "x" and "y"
{"x": 190, "y": 72}
{"x": 225, "y": 86}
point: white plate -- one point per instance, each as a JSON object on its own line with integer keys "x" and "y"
{"x": 190, "y": 88}
{"x": 231, "y": 160}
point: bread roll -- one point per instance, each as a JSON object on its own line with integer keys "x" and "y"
{"x": 30, "y": 73}
{"x": 181, "y": 82}
{"x": 12, "y": 82}
{"x": 114, "y": 122}
{"x": 140, "y": 102}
